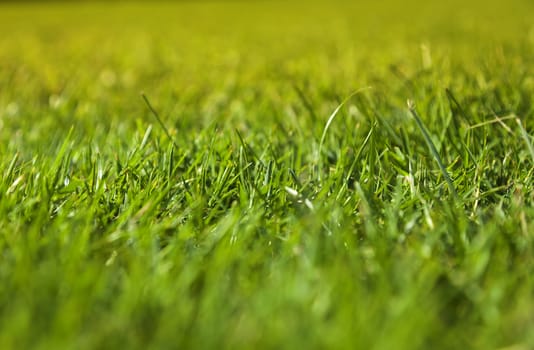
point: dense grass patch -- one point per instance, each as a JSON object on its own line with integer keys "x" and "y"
{"x": 291, "y": 197}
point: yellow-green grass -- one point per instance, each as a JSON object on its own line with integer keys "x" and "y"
{"x": 238, "y": 175}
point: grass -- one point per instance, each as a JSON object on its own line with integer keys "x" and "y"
{"x": 248, "y": 198}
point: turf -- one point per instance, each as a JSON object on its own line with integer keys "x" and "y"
{"x": 267, "y": 175}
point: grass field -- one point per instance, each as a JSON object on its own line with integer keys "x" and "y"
{"x": 275, "y": 189}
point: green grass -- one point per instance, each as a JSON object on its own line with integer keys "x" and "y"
{"x": 251, "y": 199}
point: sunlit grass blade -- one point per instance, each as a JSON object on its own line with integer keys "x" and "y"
{"x": 334, "y": 114}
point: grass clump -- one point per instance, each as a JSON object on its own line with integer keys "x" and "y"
{"x": 247, "y": 202}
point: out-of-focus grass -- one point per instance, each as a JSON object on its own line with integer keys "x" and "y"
{"x": 257, "y": 225}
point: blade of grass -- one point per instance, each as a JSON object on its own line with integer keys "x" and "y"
{"x": 333, "y": 116}
{"x": 526, "y": 137}
{"x": 307, "y": 104}
{"x": 432, "y": 148}
{"x": 156, "y": 115}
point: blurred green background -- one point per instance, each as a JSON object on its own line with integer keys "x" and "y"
{"x": 99, "y": 55}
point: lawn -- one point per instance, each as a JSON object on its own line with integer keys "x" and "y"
{"x": 267, "y": 175}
